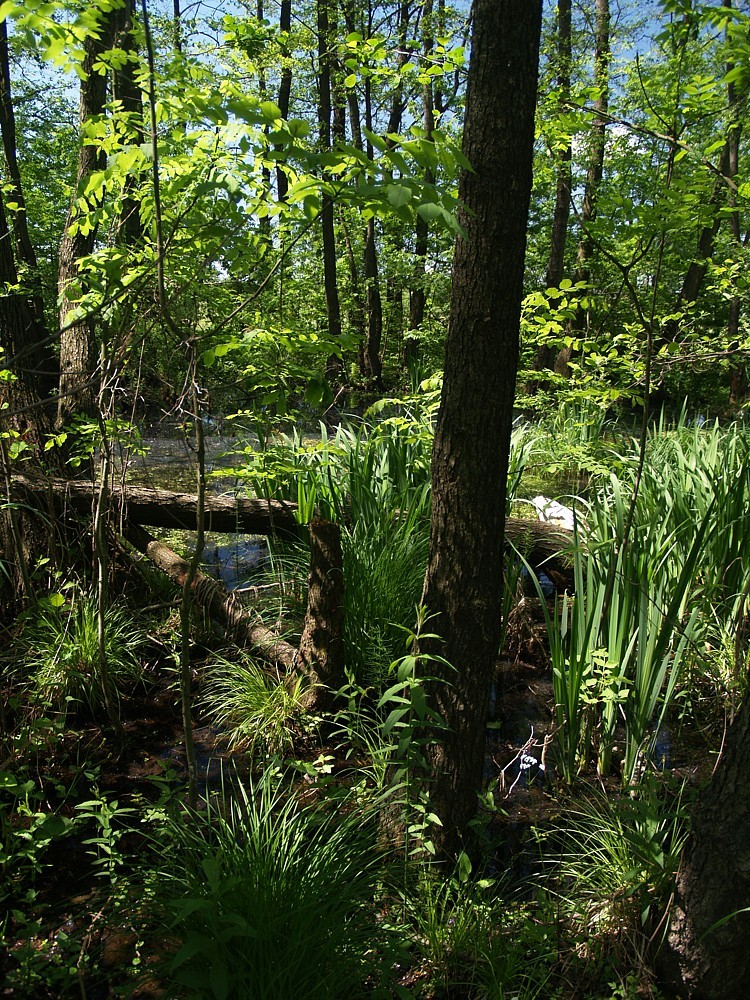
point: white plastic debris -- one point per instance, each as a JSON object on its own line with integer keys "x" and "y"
{"x": 554, "y": 512}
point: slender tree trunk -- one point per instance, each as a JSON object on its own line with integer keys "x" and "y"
{"x": 696, "y": 272}
{"x": 373, "y": 363}
{"x": 23, "y": 540}
{"x": 463, "y": 584}
{"x": 394, "y": 285}
{"x": 330, "y": 278}
{"x": 127, "y": 93}
{"x": 42, "y": 359}
{"x": 738, "y": 375}
{"x": 418, "y": 292}
{"x": 545, "y": 355}
{"x": 727, "y": 168}
{"x": 595, "y": 170}
{"x": 285, "y": 85}
{"x": 76, "y": 341}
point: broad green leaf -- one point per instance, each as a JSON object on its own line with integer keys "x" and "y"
{"x": 398, "y": 195}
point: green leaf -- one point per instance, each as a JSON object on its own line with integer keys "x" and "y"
{"x": 298, "y": 128}
{"x": 398, "y": 195}
{"x": 270, "y": 111}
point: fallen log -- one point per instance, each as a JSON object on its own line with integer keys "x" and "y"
{"x": 220, "y": 603}
{"x": 539, "y": 541}
{"x": 545, "y": 547}
{"x": 165, "y": 508}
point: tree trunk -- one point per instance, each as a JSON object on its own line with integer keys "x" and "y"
{"x": 418, "y": 292}
{"x": 545, "y": 355}
{"x": 23, "y": 538}
{"x": 703, "y": 961}
{"x": 285, "y": 86}
{"x": 321, "y": 650}
{"x": 696, "y": 272}
{"x": 126, "y": 91}
{"x": 330, "y": 279}
{"x": 373, "y": 341}
{"x": 595, "y": 170}
{"x": 76, "y": 339}
{"x": 737, "y": 381}
{"x": 41, "y": 358}
{"x": 463, "y": 584}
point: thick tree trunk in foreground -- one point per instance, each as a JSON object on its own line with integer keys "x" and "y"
{"x": 714, "y": 883}
{"x": 463, "y": 584}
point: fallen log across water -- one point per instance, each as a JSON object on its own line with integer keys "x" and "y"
{"x": 222, "y": 605}
{"x": 541, "y": 542}
{"x": 166, "y": 508}
{"x": 320, "y": 653}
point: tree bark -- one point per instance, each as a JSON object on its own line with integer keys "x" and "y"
{"x": 23, "y": 538}
{"x": 39, "y": 359}
{"x": 463, "y": 584}
{"x": 595, "y": 172}
{"x": 330, "y": 279}
{"x": 285, "y": 86}
{"x": 702, "y": 961}
{"x": 545, "y": 355}
{"x": 321, "y": 650}
{"x": 76, "y": 339}
{"x": 126, "y": 91}
{"x": 737, "y": 379}
{"x": 418, "y": 292}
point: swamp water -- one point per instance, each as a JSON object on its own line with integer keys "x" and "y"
{"x": 169, "y": 463}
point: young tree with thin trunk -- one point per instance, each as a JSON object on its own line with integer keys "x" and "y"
{"x": 545, "y": 355}
{"x": 285, "y": 86}
{"x": 595, "y": 170}
{"x": 418, "y": 291}
{"x": 463, "y": 583}
{"x": 77, "y": 361}
{"x": 325, "y": 136}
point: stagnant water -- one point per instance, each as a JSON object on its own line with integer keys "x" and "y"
{"x": 169, "y": 463}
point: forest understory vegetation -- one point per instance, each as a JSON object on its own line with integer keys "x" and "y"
{"x": 611, "y": 702}
{"x": 374, "y": 499}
